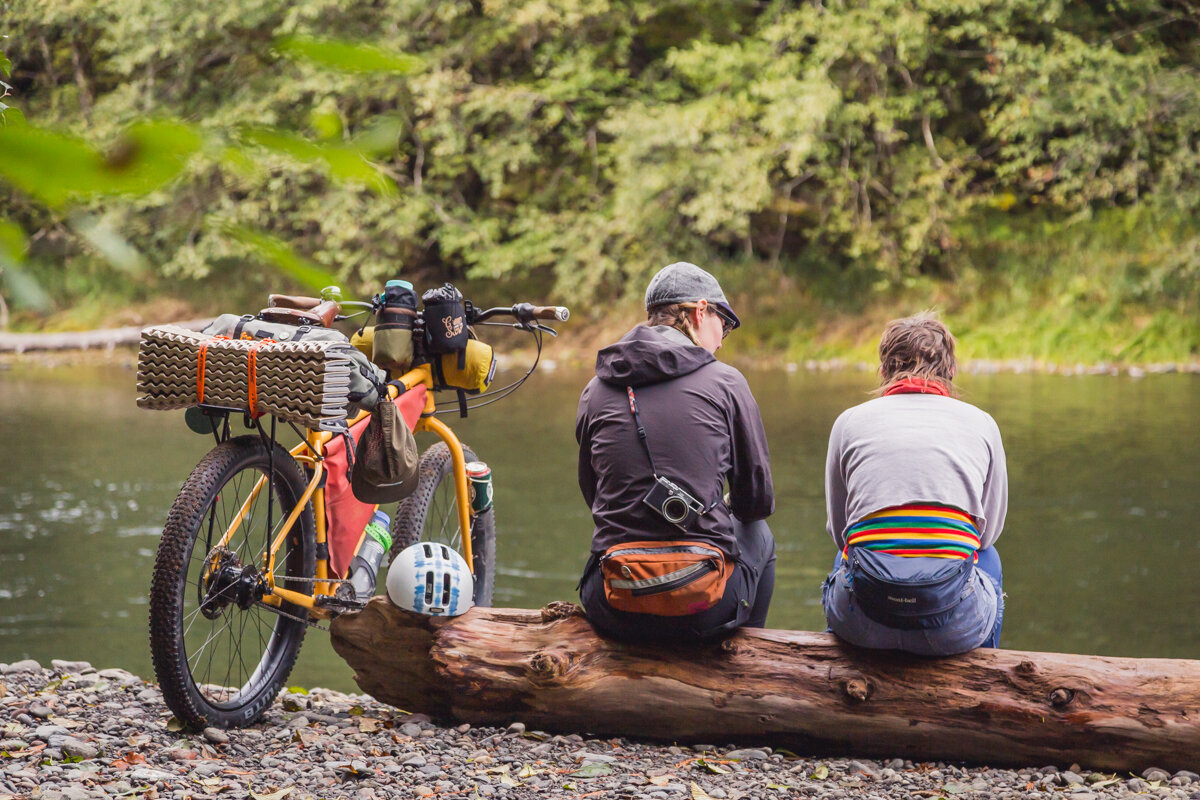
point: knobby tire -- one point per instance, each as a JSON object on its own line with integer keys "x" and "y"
{"x": 430, "y": 514}
{"x": 226, "y": 672}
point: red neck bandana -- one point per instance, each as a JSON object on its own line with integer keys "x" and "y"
{"x": 916, "y": 386}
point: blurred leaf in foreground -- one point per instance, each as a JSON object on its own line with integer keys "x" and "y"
{"x": 56, "y": 168}
{"x": 13, "y": 245}
{"x": 346, "y": 56}
{"x": 345, "y": 162}
{"x": 277, "y": 252}
{"x": 97, "y": 232}
{"x": 16, "y": 283}
{"x": 378, "y": 136}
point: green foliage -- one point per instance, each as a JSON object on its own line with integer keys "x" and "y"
{"x": 17, "y": 284}
{"x": 276, "y": 252}
{"x": 845, "y": 149}
{"x": 345, "y": 56}
{"x": 57, "y": 168}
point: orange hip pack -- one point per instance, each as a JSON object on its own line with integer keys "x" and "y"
{"x": 668, "y": 579}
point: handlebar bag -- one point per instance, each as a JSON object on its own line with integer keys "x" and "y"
{"x": 445, "y": 320}
{"x": 471, "y": 369}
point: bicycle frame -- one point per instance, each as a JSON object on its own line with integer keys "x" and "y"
{"x": 312, "y": 452}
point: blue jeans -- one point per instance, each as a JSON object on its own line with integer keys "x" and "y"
{"x": 989, "y": 565}
{"x": 744, "y": 604}
{"x": 976, "y": 621}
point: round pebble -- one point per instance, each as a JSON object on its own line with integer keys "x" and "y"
{"x": 216, "y": 735}
{"x": 108, "y": 738}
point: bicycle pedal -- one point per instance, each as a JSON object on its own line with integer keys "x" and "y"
{"x": 341, "y": 605}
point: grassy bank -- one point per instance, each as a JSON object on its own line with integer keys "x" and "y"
{"x": 1121, "y": 288}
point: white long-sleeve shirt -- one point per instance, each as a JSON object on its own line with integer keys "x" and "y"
{"x": 915, "y": 448}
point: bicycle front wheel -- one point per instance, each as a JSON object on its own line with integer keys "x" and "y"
{"x": 430, "y": 514}
{"x": 220, "y": 655}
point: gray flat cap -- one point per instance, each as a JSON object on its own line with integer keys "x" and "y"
{"x": 682, "y": 282}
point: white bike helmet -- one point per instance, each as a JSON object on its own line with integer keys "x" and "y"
{"x": 431, "y": 579}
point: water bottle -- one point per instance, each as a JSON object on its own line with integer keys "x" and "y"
{"x": 364, "y": 566}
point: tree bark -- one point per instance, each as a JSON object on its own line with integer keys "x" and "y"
{"x": 807, "y": 692}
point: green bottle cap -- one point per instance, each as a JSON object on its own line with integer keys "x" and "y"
{"x": 401, "y": 284}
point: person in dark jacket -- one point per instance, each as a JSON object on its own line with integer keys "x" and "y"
{"x": 702, "y": 429}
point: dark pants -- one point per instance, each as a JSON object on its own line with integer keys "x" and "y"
{"x": 744, "y": 604}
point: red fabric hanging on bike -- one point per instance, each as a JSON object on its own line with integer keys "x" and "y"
{"x": 346, "y": 515}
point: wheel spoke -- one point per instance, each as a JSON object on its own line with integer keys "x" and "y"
{"x": 212, "y": 637}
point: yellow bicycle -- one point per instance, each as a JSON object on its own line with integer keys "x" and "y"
{"x": 243, "y": 566}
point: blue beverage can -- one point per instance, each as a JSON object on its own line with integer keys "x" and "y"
{"x": 479, "y": 476}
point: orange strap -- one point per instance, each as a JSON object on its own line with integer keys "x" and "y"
{"x": 252, "y": 364}
{"x": 202, "y": 357}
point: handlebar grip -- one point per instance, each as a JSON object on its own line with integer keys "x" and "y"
{"x": 292, "y": 301}
{"x": 560, "y": 313}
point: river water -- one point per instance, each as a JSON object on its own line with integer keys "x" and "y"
{"x": 1101, "y": 550}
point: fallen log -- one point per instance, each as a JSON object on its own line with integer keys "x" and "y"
{"x": 807, "y": 692}
{"x": 103, "y": 339}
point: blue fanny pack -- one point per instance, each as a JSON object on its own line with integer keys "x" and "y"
{"x": 907, "y": 593}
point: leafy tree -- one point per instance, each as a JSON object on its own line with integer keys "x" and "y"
{"x": 576, "y": 146}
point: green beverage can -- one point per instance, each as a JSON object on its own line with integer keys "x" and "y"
{"x": 479, "y": 475}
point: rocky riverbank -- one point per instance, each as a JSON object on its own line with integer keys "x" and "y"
{"x": 73, "y": 732}
{"x": 119, "y": 345}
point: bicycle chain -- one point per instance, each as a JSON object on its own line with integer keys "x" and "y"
{"x": 283, "y": 613}
{"x": 284, "y": 578}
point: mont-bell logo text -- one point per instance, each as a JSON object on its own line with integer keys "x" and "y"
{"x": 892, "y": 599}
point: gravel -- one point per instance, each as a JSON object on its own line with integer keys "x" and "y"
{"x": 74, "y": 733}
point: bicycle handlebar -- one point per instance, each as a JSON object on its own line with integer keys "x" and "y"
{"x": 525, "y": 312}
{"x": 282, "y": 304}
{"x": 560, "y": 313}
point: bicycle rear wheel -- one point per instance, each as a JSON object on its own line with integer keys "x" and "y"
{"x": 220, "y": 656}
{"x": 430, "y": 514}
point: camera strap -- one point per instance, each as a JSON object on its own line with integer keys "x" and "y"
{"x": 641, "y": 432}
{"x": 641, "y": 429}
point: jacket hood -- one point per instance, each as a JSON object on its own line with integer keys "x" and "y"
{"x": 648, "y": 355}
